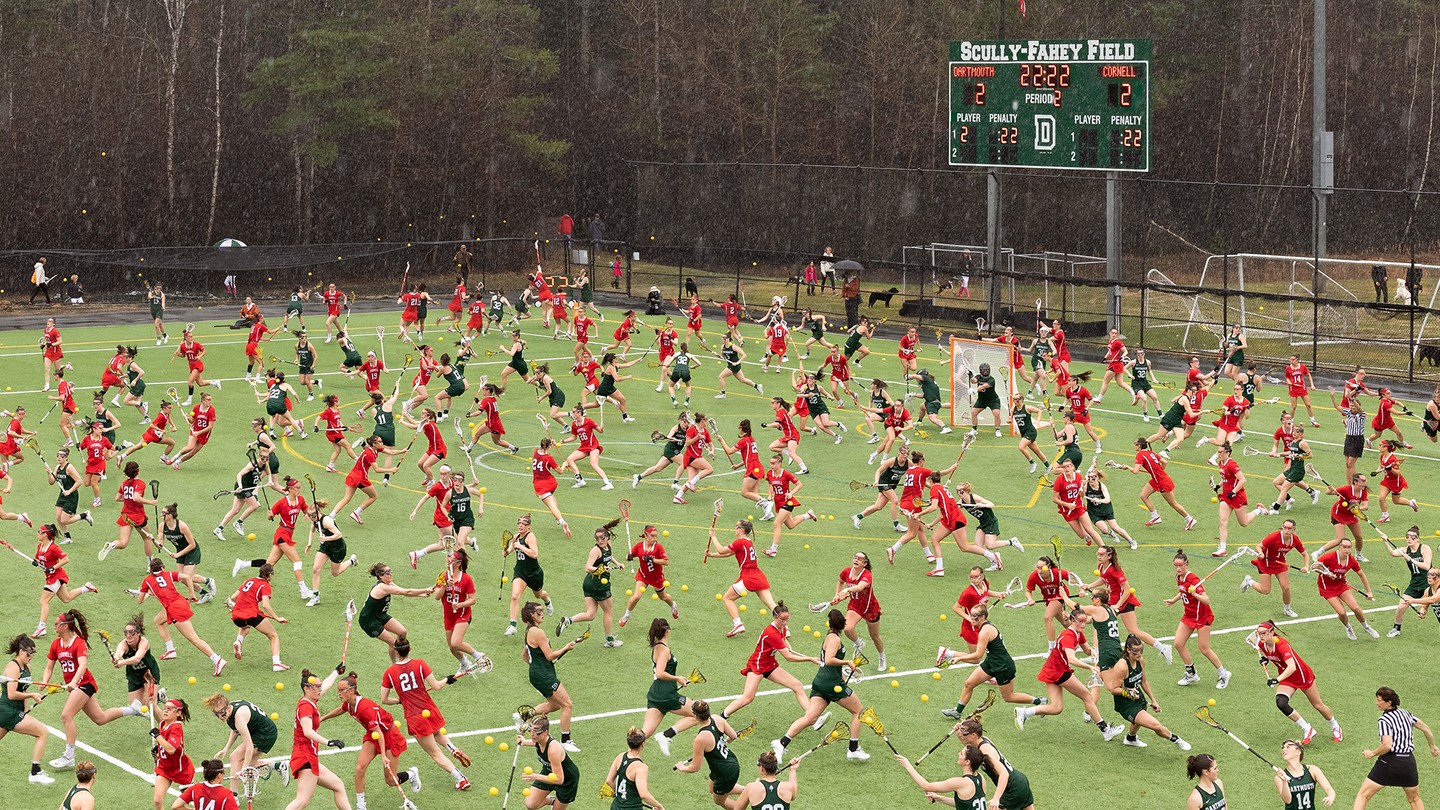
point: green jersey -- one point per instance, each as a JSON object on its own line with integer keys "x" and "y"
{"x": 569, "y": 771}
{"x": 724, "y": 767}
{"x": 262, "y": 729}
{"x": 65, "y": 805}
{"x": 1140, "y": 371}
{"x": 1302, "y": 790}
{"x": 305, "y": 357}
{"x": 1129, "y": 707}
{"x": 68, "y": 503}
{"x": 732, "y": 358}
{"x": 1417, "y": 574}
{"x": 1211, "y": 801}
{"x": 976, "y": 802}
{"x": 930, "y": 390}
{"x": 374, "y": 614}
{"x": 664, "y": 693}
{"x": 542, "y": 672}
{"x": 627, "y": 791}
{"x": 13, "y": 711}
{"x": 997, "y": 662}
{"x": 772, "y": 800}
{"x": 1108, "y": 633}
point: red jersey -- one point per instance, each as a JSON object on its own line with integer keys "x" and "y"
{"x": 1334, "y": 584}
{"x": 490, "y": 409}
{"x": 130, "y": 489}
{"x": 749, "y": 456}
{"x": 257, "y": 331}
{"x": 731, "y": 309}
{"x": 66, "y": 391}
{"x": 1114, "y": 351}
{"x": 1049, "y": 584}
{"x": 434, "y": 440}
{"x": 896, "y": 416}
{"x": 191, "y": 352}
{"x": 1230, "y": 412}
{"x": 333, "y": 299}
{"x": 302, "y": 745}
{"x": 908, "y": 346}
{"x": 667, "y": 338}
{"x": 203, "y": 796}
{"x": 1295, "y": 378}
{"x": 461, "y": 590}
{"x": 780, "y": 483}
{"x": 582, "y": 328}
{"x": 587, "y": 370}
{"x": 1273, "y": 550}
{"x": 1079, "y": 399}
{"x": 786, "y": 426}
{"x": 370, "y": 716}
{"x": 49, "y": 555}
{"x": 1069, "y": 490}
{"x": 1280, "y": 653}
{"x": 247, "y": 602}
{"x": 951, "y": 515}
{"x": 1197, "y": 613}
{"x": 1062, "y": 349}
{"x": 289, "y": 512}
{"x": 174, "y": 764}
{"x": 692, "y": 316}
{"x": 839, "y": 365}
{"x": 1014, "y": 343}
{"x": 408, "y": 680}
{"x": 95, "y": 450}
{"x": 541, "y": 465}
{"x": 68, "y": 657}
{"x": 863, "y": 603}
{"x": 583, "y": 430}
{"x": 441, "y": 518}
{"x": 1153, "y": 465}
{"x": 201, "y": 417}
{"x": 1118, "y": 586}
{"x": 334, "y": 426}
{"x": 1057, "y": 663}
{"x": 913, "y": 482}
{"x": 1230, "y": 477}
{"x": 744, "y": 551}
{"x": 1197, "y": 401}
{"x": 163, "y": 586}
{"x": 1349, "y": 500}
{"x": 371, "y": 370}
{"x": 762, "y": 660}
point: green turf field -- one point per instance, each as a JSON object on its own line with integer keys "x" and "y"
{"x": 1068, "y": 764}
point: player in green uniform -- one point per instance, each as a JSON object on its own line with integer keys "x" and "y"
{"x": 277, "y": 399}
{"x": 1295, "y": 452}
{"x": 1209, "y": 792}
{"x": 251, "y": 728}
{"x": 831, "y": 685}
{"x": 858, "y": 332}
{"x": 1296, "y": 782}
{"x": 1040, "y": 350}
{"x": 542, "y": 657}
{"x": 332, "y": 552}
{"x": 987, "y": 398}
{"x": 384, "y": 416}
{"x": 548, "y": 391}
{"x": 1012, "y": 785}
{"x": 305, "y": 360}
{"x": 156, "y": 298}
{"x": 67, "y": 503}
{"x": 610, "y": 378}
{"x": 1101, "y": 509}
{"x": 453, "y": 372}
{"x": 1234, "y": 348}
{"x": 995, "y": 663}
{"x": 1173, "y": 421}
{"x": 527, "y": 572}
{"x": 1067, "y": 439}
{"x": 558, "y": 774}
{"x": 295, "y": 308}
{"x": 353, "y": 360}
{"x": 712, "y": 747}
{"x": 1418, "y": 558}
{"x": 375, "y": 618}
{"x": 930, "y": 395}
{"x": 733, "y": 356}
{"x": 1125, "y": 680}
{"x": 807, "y": 384}
{"x": 815, "y": 324}
{"x": 133, "y": 653}
{"x": 664, "y": 695}
{"x": 680, "y": 365}
{"x": 13, "y": 718}
{"x": 178, "y": 536}
{"x": 629, "y": 776}
{"x": 596, "y": 586}
{"x": 767, "y": 792}
{"x": 134, "y": 385}
{"x": 966, "y": 791}
{"x": 517, "y": 364}
{"x": 674, "y": 442}
{"x": 1142, "y": 377}
{"x": 890, "y": 475}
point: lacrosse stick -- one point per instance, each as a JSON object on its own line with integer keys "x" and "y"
{"x": 1240, "y": 554}
{"x": 47, "y": 413}
{"x": 695, "y": 676}
{"x": 1254, "y": 641}
{"x": 714, "y": 517}
{"x": 625, "y": 516}
{"x": 33, "y": 445}
{"x": 975, "y": 714}
{"x": 221, "y": 493}
{"x": 506, "y": 538}
{"x": 155, "y": 494}
{"x": 405, "y": 803}
{"x": 964, "y": 445}
{"x": 1203, "y": 715}
{"x": 1112, "y": 464}
{"x": 1055, "y": 544}
{"x": 274, "y": 360}
{"x": 105, "y": 639}
{"x": 856, "y": 486}
{"x": 519, "y": 731}
{"x": 380, "y": 336}
{"x": 1314, "y": 473}
{"x": 715, "y": 431}
{"x": 1390, "y": 586}
{"x": 869, "y": 718}
{"x": 1255, "y": 451}
{"x": 545, "y": 423}
{"x": 1012, "y": 586}
{"x": 350, "y": 613}
{"x": 746, "y": 731}
{"x": 820, "y": 607}
{"x": 249, "y": 785}
{"x": 28, "y": 558}
{"x": 860, "y": 660}
{"x": 838, "y": 733}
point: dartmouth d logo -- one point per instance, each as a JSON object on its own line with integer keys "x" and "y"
{"x": 1044, "y": 133}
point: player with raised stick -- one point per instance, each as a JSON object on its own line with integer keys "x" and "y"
{"x": 751, "y": 580}
{"x": 1292, "y": 674}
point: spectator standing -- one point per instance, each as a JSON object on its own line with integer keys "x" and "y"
{"x": 232, "y": 285}
{"x": 1412, "y": 280}
{"x": 1377, "y": 277}
{"x": 827, "y": 269}
{"x": 40, "y": 282}
{"x": 810, "y": 277}
{"x": 597, "y": 231}
{"x": 851, "y": 294}
{"x": 1395, "y": 755}
{"x": 463, "y": 262}
{"x": 567, "y": 229}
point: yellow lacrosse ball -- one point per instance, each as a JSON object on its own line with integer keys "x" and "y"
{"x": 747, "y": 517}
{"x": 655, "y": 597}
{"x": 225, "y": 688}
{"x": 935, "y": 676}
{"x": 942, "y": 617}
{"x": 528, "y": 770}
{"x": 192, "y": 680}
{"x": 250, "y": 536}
{"x": 1097, "y": 572}
{"x": 424, "y": 712}
{"x": 483, "y": 490}
{"x": 805, "y": 629}
{"x": 489, "y": 740}
{"x": 525, "y": 792}
{"x": 684, "y": 587}
{"x": 504, "y": 746}
{"x": 279, "y": 686}
{"x": 718, "y": 597}
{"x": 1214, "y": 499}
{"x": 604, "y": 580}
{"x": 665, "y": 533}
{"x": 839, "y": 689}
{"x": 807, "y": 546}
{"x": 442, "y": 730}
{"x": 374, "y": 735}
{"x": 1210, "y": 702}
{"x": 894, "y": 684}
{"x": 816, "y": 634}
{"x": 924, "y": 698}
{"x": 494, "y": 791}
{"x": 764, "y": 612}
{"x": 629, "y": 591}
{"x": 274, "y": 715}
{"x": 891, "y": 669}
{"x": 742, "y": 608}
{"x": 666, "y": 584}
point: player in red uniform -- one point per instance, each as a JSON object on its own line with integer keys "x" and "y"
{"x": 913, "y": 483}
{"x": 51, "y": 350}
{"x": 155, "y": 434}
{"x": 410, "y": 300}
{"x": 783, "y": 488}
{"x": 71, "y": 651}
{"x": 1121, "y": 598}
{"x": 649, "y": 571}
{"x": 1231, "y": 493}
{"x": 172, "y": 764}
{"x": 976, "y": 593}
{"x": 1228, "y": 426}
{"x": 950, "y": 522}
{"x": 586, "y": 433}
{"x": 751, "y": 580}
{"x": 194, "y": 354}
{"x": 209, "y": 794}
{"x": 251, "y": 609}
{"x": 488, "y": 406}
{"x": 412, "y": 681}
{"x": 1058, "y": 675}
{"x": 1384, "y": 419}
{"x": 110, "y": 376}
{"x": 335, "y": 300}
{"x": 629, "y": 324}
{"x": 335, "y": 430}
{"x": 428, "y": 426}
{"x": 542, "y": 474}
{"x": 253, "y": 357}
{"x": 909, "y": 351}
{"x": 51, "y": 560}
{"x": 370, "y": 371}
{"x": 457, "y": 600}
{"x": 1271, "y": 561}
{"x": 475, "y": 324}
{"x": 839, "y": 370}
{"x": 440, "y": 518}
{"x": 131, "y": 496}
{"x": 856, "y": 587}
{"x": 776, "y": 334}
{"x": 1333, "y": 568}
{"x": 694, "y": 320}
{"x": 731, "y": 309}
{"x": 1077, "y": 396}
{"x": 1194, "y": 405}
{"x": 788, "y": 443}
{"x": 1299, "y": 383}
{"x": 1196, "y": 619}
{"x": 1116, "y": 356}
{"x": 1050, "y": 580}
{"x": 1352, "y": 500}
{"x": 419, "y": 392}
{"x": 174, "y": 610}
{"x": 694, "y": 466}
{"x": 1292, "y": 674}
{"x": 305, "y": 766}
{"x": 202, "y": 424}
{"x": 1068, "y": 495}
{"x": 774, "y": 640}
{"x": 381, "y": 735}
{"x": 1393, "y": 484}
{"x": 358, "y": 479}
{"x": 289, "y": 510}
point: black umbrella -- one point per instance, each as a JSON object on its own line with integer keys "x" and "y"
{"x": 846, "y": 265}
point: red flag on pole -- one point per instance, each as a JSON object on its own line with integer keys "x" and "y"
{"x": 1022, "y": 8}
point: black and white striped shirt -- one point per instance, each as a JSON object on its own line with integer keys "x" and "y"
{"x": 1398, "y": 725}
{"x": 1354, "y": 422}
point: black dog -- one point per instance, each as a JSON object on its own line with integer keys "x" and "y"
{"x": 1428, "y": 352}
{"x": 690, "y": 288}
{"x": 883, "y": 296}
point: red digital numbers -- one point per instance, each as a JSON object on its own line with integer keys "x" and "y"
{"x": 1132, "y": 138}
{"x": 1049, "y": 76}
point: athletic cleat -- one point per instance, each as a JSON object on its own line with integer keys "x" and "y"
{"x": 1394, "y": 631}
{"x": 1020, "y": 717}
{"x": 1112, "y": 731}
{"x": 735, "y": 631}
{"x": 63, "y": 761}
{"x": 890, "y": 554}
{"x": 1155, "y": 519}
{"x": 219, "y": 533}
{"x": 239, "y": 566}
{"x": 952, "y": 714}
{"x": 779, "y": 749}
{"x": 463, "y": 784}
{"x": 168, "y": 655}
{"x": 1167, "y": 652}
{"x": 880, "y": 663}
{"x": 1361, "y": 557}
{"x": 414, "y": 779}
{"x": 90, "y": 587}
{"x": 624, "y": 620}
{"x": 1289, "y": 611}
{"x": 88, "y": 517}
{"x": 941, "y": 654}
{"x": 220, "y": 667}
{"x": 105, "y": 551}
{"x": 236, "y": 648}
{"x": 563, "y": 625}
{"x": 1016, "y": 544}
{"x": 1309, "y": 736}
{"x": 282, "y": 667}
{"x": 935, "y": 572}
{"x": 461, "y": 757}
{"x": 41, "y": 778}
{"x": 1190, "y": 523}
{"x": 1189, "y": 679}
{"x": 1336, "y": 735}
{"x": 569, "y": 745}
{"x": 1246, "y": 584}
{"x": 664, "y": 743}
{"x": 1224, "y": 679}
{"x": 510, "y": 629}
{"x": 1349, "y": 632}
{"x": 614, "y": 642}
{"x": 1135, "y": 742}
{"x": 820, "y": 721}
{"x": 1372, "y": 632}
{"x": 857, "y": 754}
{"x": 414, "y": 560}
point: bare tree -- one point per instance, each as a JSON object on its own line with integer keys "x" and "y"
{"x": 219, "y": 132}
{"x": 175, "y": 19}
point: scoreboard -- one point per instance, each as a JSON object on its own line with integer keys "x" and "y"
{"x": 1082, "y": 104}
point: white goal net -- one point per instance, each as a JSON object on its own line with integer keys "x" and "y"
{"x": 966, "y": 358}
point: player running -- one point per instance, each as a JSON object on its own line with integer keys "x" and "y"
{"x": 1272, "y": 561}
{"x": 752, "y": 579}
{"x": 993, "y": 663}
{"x": 1333, "y": 568}
{"x": 412, "y": 682}
{"x": 1058, "y": 675}
{"x": 1127, "y": 683}
{"x": 831, "y": 685}
{"x": 527, "y": 573}
{"x": 1292, "y": 674}
{"x": 599, "y": 562}
{"x": 1150, "y": 462}
{"x": 1196, "y": 619}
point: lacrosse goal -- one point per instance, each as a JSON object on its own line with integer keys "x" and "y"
{"x": 966, "y": 357}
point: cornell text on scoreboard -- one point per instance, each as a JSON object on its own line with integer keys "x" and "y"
{"x": 1082, "y": 104}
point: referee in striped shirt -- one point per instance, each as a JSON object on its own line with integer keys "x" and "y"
{"x": 1395, "y": 756}
{"x": 1352, "y": 413}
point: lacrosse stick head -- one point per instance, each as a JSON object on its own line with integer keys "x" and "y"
{"x": 984, "y": 705}
{"x": 1013, "y": 585}
{"x": 868, "y": 717}
{"x": 1055, "y": 544}
{"x": 249, "y": 782}
{"x": 606, "y": 791}
{"x": 524, "y": 713}
{"x": 968, "y": 441}
{"x": 507, "y": 536}
{"x": 32, "y": 444}
{"x": 838, "y": 733}
{"x": 104, "y": 634}
{"x": 1202, "y": 713}
{"x": 350, "y": 611}
{"x": 719, "y": 504}
{"x": 624, "y": 509}
{"x": 483, "y": 664}
{"x": 746, "y": 731}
